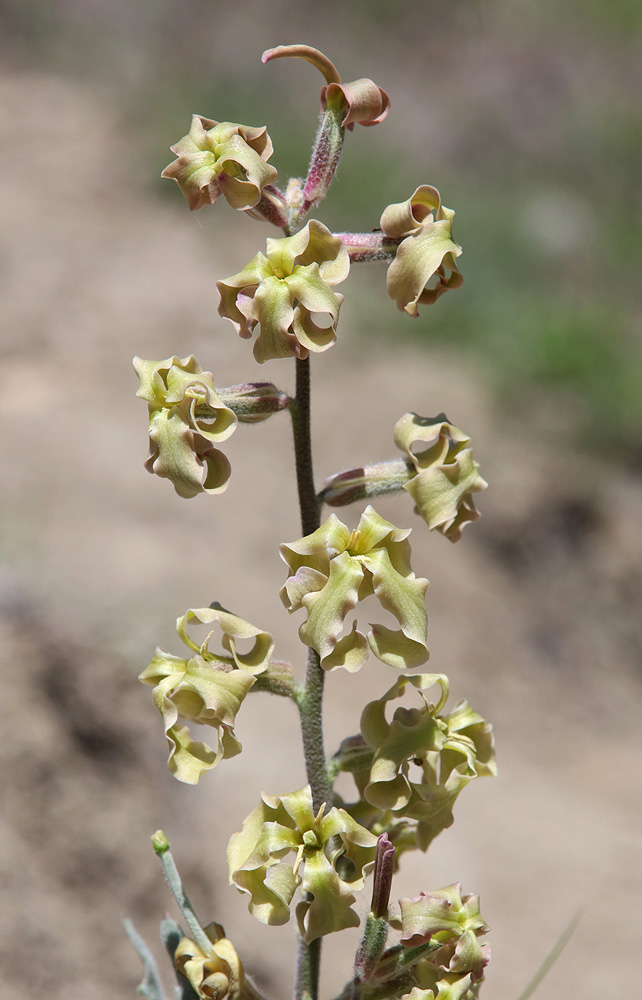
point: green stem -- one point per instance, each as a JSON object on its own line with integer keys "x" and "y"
{"x": 310, "y": 701}
{"x": 307, "y": 970}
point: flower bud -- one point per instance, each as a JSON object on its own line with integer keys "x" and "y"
{"x": 342, "y": 106}
{"x": 214, "y": 975}
{"x": 253, "y": 402}
{"x": 160, "y": 843}
{"x": 365, "y": 482}
{"x": 217, "y": 158}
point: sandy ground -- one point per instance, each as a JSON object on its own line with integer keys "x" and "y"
{"x": 534, "y": 615}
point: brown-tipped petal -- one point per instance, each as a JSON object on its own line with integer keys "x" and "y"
{"x": 362, "y": 101}
{"x": 311, "y": 55}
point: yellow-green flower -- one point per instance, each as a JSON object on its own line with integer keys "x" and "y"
{"x": 186, "y": 417}
{"x": 443, "y": 987}
{"x": 427, "y": 249}
{"x": 207, "y": 688}
{"x": 423, "y": 758}
{"x": 446, "y": 474}
{"x": 222, "y": 158}
{"x": 333, "y": 568}
{"x": 454, "y": 922}
{"x": 282, "y": 292}
{"x": 333, "y": 855}
{"x": 217, "y": 975}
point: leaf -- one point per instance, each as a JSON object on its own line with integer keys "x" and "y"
{"x": 150, "y": 985}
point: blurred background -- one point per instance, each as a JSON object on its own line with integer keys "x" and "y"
{"x": 528, "y": 118}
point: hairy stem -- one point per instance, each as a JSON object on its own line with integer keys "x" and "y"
{"x": 310, "y": 701}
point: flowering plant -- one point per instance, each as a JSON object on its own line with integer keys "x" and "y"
{"x": 309, "y": 851}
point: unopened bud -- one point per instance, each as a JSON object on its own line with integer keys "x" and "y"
{"x": 160, "y": 843}
{"x": 366, "y": 481}
{"x": 383, "y": 869}
{"x": 254, "y": 401}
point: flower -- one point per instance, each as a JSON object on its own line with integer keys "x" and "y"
{"x": 360, "y": 102}
{"x": 451, "y": 920}
{"x": 448, "y": 751}
{"x": 282, "y": 291}
{"x": 446, "y": 473}
{"x": 333, "y": 568}
{"x": 217, "y": 158}
{"x": 442, "y": 987}
{"x": 207, "y": 688}
{"x": 186, "y": 415}
{"x": 427, "y": 248}
{"x": 217, "y": 975}
{"x": 333, "y": 856}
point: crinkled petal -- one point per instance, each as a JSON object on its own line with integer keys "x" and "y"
{"x": 163, "y": 665}
{"x": 363, "y": 102}
{"x": 239, "y": 193}
{"x": 271, "y": 890}
{"x": 273, "y": 303}
{"x": 189, "y": 759}
{"x": 195, "y": 174}
{"x": 313, "y": 292}
{"x": 417, "y": 259}
{"x": 181, "y": 456}
{"x": 312, "y": 337}
{"x": 153, "y": 376}
{"x": 404, "y": 597}
{"x": 330, "y": 907}
{"x": 318, "y": 548}
{"x": 325, "y": 250}
{"x": 405, "y": 217}
{"x": 350, "y": 652}
{"x": 255, "y": 661}
{"x": 328, "y": 607}
{"x": 440, "y": 439}
{"x": 442, "y": 494}
{"x": 373, "y": 531}
{"x": 305, "y": 581}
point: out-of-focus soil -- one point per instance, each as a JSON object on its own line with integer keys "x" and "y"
{"x": 535, "y": 615}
